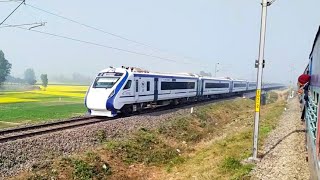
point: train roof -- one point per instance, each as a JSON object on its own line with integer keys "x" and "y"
{"x": 168, "y": 75}
{"x": 138, "y": 71}
{"x": 315, "y": 41}
{"x": 215, "y": 78}
{"x": 146, "y": 73}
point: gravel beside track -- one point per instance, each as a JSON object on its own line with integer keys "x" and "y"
{"x": 21, "y": 154}
{"x": 29, "y": 131}
{"x": 284, "y": 153}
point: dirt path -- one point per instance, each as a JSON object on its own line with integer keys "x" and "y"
{"x": 284, "y": 150}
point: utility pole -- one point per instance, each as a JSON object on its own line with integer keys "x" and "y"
{"x": 215, "y": 69}
{"x": 264, "y": 4}
{"x": 292, "y": 80}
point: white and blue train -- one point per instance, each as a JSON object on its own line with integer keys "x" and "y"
{"x": 127, "y": 90}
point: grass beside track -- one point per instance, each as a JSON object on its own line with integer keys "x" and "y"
{"x": 208, "y": 144}
{"x": 56, "y": 102}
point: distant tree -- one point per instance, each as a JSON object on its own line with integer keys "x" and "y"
{"x": 79, "y": 78}
{"x": 12, "y": 79}
{"x": 44, "y": 79}
{"x": 30, "y": 77}
{"x": 5, "y": 68}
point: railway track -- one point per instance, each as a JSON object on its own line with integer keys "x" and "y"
{"x": 38, "y": 129}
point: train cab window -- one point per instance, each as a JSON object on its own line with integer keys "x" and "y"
{"x": 128, "y": 85}
{"x": 148, "y": 85}
{"x": 137, "y": 85}
{"x": 105, "y": 82}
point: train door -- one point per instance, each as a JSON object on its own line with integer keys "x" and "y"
{"x": 198, "y": 87}
{"x": 141, "y": 88}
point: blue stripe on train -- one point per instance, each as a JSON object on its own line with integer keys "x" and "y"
{"x": 110, "y": 101}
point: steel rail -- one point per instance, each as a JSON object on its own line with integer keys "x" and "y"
{"x": 29, "y": 131}
{"x": 37, "y": 126}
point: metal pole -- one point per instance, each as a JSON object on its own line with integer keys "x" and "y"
{"x": 259, "y": 80}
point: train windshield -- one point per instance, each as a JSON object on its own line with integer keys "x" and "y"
{"x": 105, "y": 82}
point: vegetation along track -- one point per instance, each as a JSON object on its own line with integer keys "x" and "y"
{"x": 38, "y": 129}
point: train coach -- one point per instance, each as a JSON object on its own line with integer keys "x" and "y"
{"x": 128, "y": 90}
{"x": 312, "y": 109}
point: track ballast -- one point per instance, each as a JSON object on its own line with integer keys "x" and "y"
{"x": 38, "y": 129}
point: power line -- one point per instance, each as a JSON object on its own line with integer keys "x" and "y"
{"x": 12, "y": 12}
{"x": 85, "y": 25}
{"x": 105, "y": 32}
{"x": 100, "y": 30}
{"x": 8, "y": 0}
{"x": 100, "y": 45}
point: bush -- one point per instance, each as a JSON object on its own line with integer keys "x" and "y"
{"x": 144, "y": 147}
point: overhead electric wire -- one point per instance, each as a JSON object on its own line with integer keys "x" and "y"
{"x": 102, "y": 31}
{"x": 112, "y": 34}
{"x": 100, "y": 45}
{"x": 12, "y": 12}
{"x": 9, "y": 1}
{"x": 85, "y": 25}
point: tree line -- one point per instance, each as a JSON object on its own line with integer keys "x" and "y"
{"x": 29, "y": 75}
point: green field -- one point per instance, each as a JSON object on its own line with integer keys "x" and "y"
{"x": 57, "y": 102}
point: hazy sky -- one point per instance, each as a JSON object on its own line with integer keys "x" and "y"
{"x": 205, "y": 31}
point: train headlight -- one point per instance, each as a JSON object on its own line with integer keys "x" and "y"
{"x": 111, "y": 94}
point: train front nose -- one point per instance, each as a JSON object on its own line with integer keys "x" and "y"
{"x": 97, "y": 98}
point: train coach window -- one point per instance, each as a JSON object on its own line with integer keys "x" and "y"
{"x": 239, "y": 85}
{"x": 148, "y": 85}
{"x": 217, "y": 85}
{"x": 128, "y": 85}
{"x": 177, "y": 85}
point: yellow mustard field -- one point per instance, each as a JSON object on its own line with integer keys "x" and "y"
{"x": 14, "y": 100}
{"x": 59, "y": 91}
{"x": 69, "y": 91}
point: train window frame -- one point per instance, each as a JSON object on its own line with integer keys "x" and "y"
{"x": 137, "y": 85}
{"x": 95, "y": 85}
{"x": 148, "y": 85}
{"x": 165, "y": 86}
{"x": 128, "y": 85}
{"x": 209, "y": 85}
{"x": 239, "y": 85}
